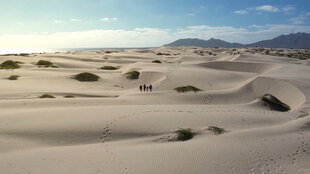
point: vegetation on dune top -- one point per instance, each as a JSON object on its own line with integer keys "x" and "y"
{"x": 9, "y": 64}
{"x": 46, "y": 64}
{"x": 274, "y": 103}
{"x": 46, "y": 96}
{"x": 188, "y": 88}
{"x": 303, "y": 115}
{"x": 86, "y": 77}
{"x": 109, "y": 68}
{"x": 156, "y": 61}
{"x": 133, "y": 75}
{"x": 69, "y": 96}
{"x": 185, "y": 134}
{"x": 216, "y": 130}
{"x": 13, "y": 77}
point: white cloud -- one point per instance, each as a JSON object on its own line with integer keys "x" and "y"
{"x": 115, "y": 19}
{"x": 58, "y": 21}
{"x": 75, "y": 20}
{"x": 241, "y": 12}
{"x": 288, "y": 9}
{"x": 300, "y": 19}
{"x": 191, "y": 14}
{"x": 145, "y": 37}
{"x": 104, "y": 19}
{"x": 267, "y": 8}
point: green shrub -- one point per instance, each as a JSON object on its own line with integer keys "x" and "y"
{"x": 46, "y": 64}
{"x": 13, "y": 77}
{"x": 109, "y": 68}
{"x": 86, "y": 77}
{"x": 187, "y": 89}
{"x": 46, "y": 96}
{"x": 274, "y": 103}
{"x": 9, "y": 64}
{"x": 185, "y": 134}
{"x": 69, "y": 96}
{"x": 216, "y": 130}
{"x": 133, "y": 75}
{"x": 156, "y": 61}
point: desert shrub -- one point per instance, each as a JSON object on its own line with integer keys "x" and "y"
{"x": 86, "y": 77}
{"x": 46, "y": 64}
{"x": 274, "y": 103}
{"x": 156, "y": 61}
{"x": 69, "y": 96}
{"x": 303, "y": 115}
{"x": 23, "y": 54}
{"x": 108, "y": 52}
{"x": 109, "y": 68}
{"x": 188, "y": 88}
{"x": 159, "y": 54}
{"x": 46, "y": 96}
{"x": 216, "y": 130}
{"x": 133, "y": 75}
{"x": 13, "y": 77}
{"x": 9, "y": 64}
{"x": 185, "y": 134}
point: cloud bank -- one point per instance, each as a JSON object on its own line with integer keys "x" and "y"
{"x": 145, "y": 37}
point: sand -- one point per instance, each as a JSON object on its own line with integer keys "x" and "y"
{"x": 111, "y": 127}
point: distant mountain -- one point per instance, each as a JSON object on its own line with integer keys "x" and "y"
{"x": 204, "y": 43}
{"x": 298, "y": 41}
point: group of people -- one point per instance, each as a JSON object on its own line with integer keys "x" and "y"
{"x": 146, "y": 88}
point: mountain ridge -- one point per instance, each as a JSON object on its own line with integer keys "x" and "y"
{"x": 295, "y": 41}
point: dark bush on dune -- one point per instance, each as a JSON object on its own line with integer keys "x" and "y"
{"x": 46, "y": 64}
{"x": 46, "y": 96}
{"x": 216, "y": 130}
{"x": 188, "y": 88}
{"x": 133, "y": 75}
{"x": 156, "y": 61}
{"x": 13, "y": 77}
{"x": 86, "y": 77}
{"x": 9, "y": 64}
{"x": 109, "y": 68}
{"x": 185, "y": 134}
{"x": 274, "y": 103}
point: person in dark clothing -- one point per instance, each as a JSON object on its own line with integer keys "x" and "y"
{"x": 144, "y": 87}
{"x": 147, "y": 88}
{"x": 151, "y": 87}
{"x": 140, "y": 88}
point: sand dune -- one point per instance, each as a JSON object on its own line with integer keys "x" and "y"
{"x": 111, "y": 127}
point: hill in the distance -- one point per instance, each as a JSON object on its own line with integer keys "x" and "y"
{"x": 297, "y": 41}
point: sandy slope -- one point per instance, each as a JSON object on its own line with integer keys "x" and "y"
{"x": 110, "y": 127}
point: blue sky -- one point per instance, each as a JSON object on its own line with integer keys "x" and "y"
{"x": 134, "y": 23}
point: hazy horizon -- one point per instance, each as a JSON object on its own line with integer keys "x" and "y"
{"x": 124, "y": 23}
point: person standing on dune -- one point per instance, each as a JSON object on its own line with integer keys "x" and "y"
{"x": 140, "y": 88}
{"x": 150, "y": 87}
{"x": 144, "y": 87}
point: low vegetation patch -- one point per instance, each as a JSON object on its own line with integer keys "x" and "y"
{"x": 216, "y": 130}
{"x": 133, "y": 75}
{"x": 9, "y": 64}
{"x": 86, "y": 77}
{"x": 185, "y": 134}
{"x": 274, "y": 103}
{"x": 69, "y": 96}
{"x": 109, "y": 68}
{"x": 189, "y": 88}
{"x": 156, "y": 61}
{"x": 46, "y": 64}
{"x": 46, "y": 96}
{"x": 13, "y": 77}
{"x": 303, "y": 115}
